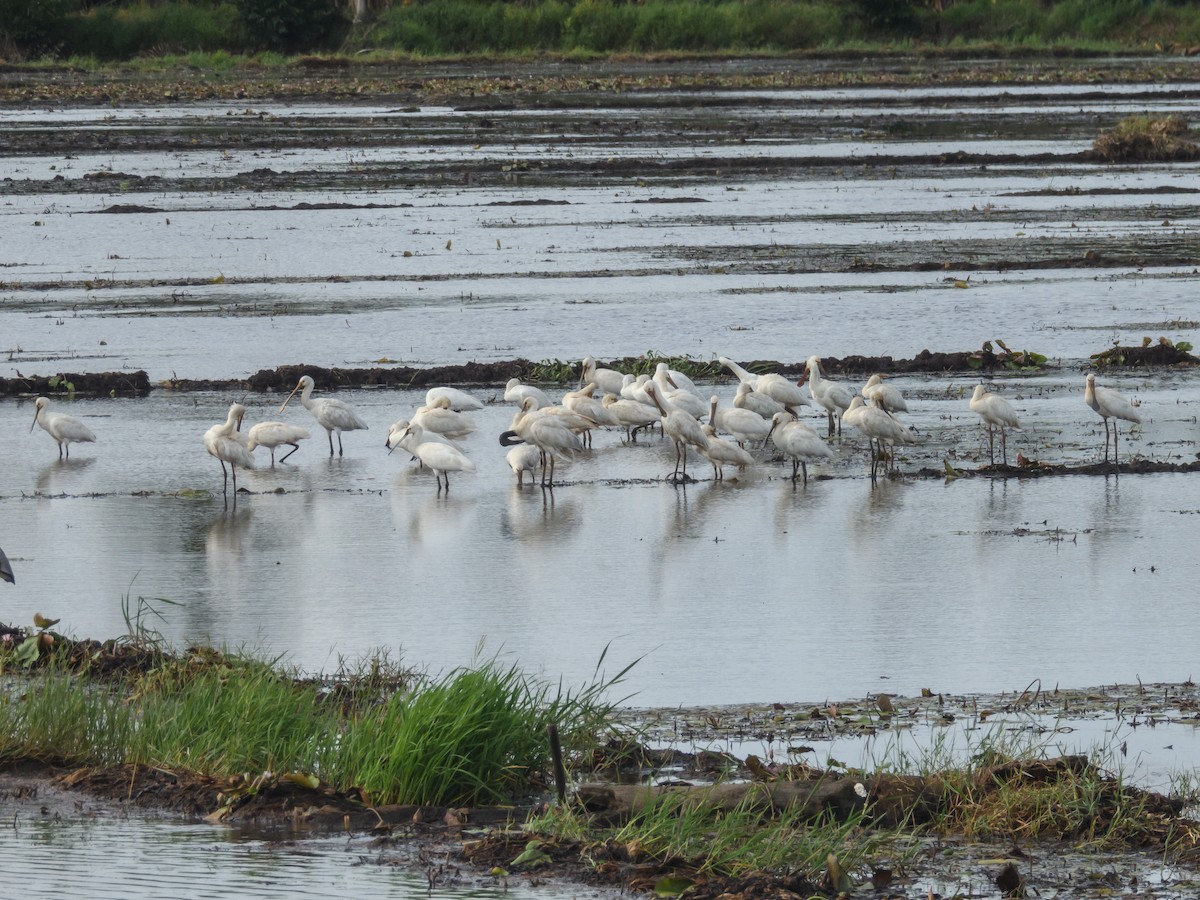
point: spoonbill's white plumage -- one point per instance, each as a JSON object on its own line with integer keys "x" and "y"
{"x": 439, "y": 456}
{"x": 65, "y": 430}
{"x": 228, "y": 445}
{"x": 6, "y": 572}
{"x": 668, "y": 390}
{"x": 742, "y": 424}
{"x": 772, "y": 384}
{"x": 634, "y": 388}
{"x": 834, "y": 397}
{"x": 609, "y": 381}
{"x": 748, "y": 398}
{"x": 399, "y": 436}
{"x": 582, "y": 403}
{"x": 633, "y": 415}
{"x": 438, "y": 416}
{"x": 548, "y": 432}
{"x": 721, "y": 453}
{"x": 996, "y": 412}
{"x": 799, "y": 441}
{"x": 515, "y": 392}
{"x": 1109, "y": 405}
{"x": 682, "y": 427}
{"x": 880, "y": 427}
{"x": 275, "y": 434}
{"x": 523, "y": 458}
{"x": 886, "y": 396}
{"x": 460, "y": 401}
{"x": 330, "y": 413}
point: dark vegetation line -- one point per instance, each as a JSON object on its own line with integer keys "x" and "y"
{"x": 989, "y": 358}
{"x": 84, "y": 29}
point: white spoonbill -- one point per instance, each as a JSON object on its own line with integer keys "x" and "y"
{"x": 6, "y": 572}
{"x": 331, "y": 414}
{"x": 886, "y": 396}
{"x": 609, "y": 381}
{"x": 438, "y": 416}
{"x": 460, "y": 401}
{"x": 65, "y": 429}
{"x": 633, "y": 415}
{"x": 829, "y": 394}
{"x": 799, "y": 441}
{"x": 399, "y": 436}
{"x": 582, "y": 403}
{"x": 743, "y": 424}
{"x": 440, "y": 457}
{"x": 273, "y": 434}
{"x": 668, "y": 389}
{"x": 522, "y": 458}
{"x": 748, "y": 398}
{"x": 682, "y": 428}
{"x": 996, "y": 412}
{"x": 721, "y": 453}
{"x": 546, "y": 431}
{"x": 880, "y": 427}
{"x": 229, "y": 446}
{"x": 772, "y": 384}
{"x": 515, "y": 392}
{"x": 1110, "y": 405}
{"x": 635, "y": 389}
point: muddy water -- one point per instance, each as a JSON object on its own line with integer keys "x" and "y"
{"x": 815, "y": 222}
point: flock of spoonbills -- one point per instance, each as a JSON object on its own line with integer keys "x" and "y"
{"x": 542, "y": 432}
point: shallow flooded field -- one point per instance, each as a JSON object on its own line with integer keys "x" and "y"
{"x": 216, "y": 239}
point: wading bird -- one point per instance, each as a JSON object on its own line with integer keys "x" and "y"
{"x": 885, "y": 396}
{"x": 332, "y": 415}
{"x": 65, "y": 430}
{"x": 521, "y": 459}
{"x": 682, "y": 428}
{"x": 633, "y": 415}
{"x": 225, "y": 443}
{"x": 834, "y": 397}
{"x": 748, "y": 398}
{"x": 545, "y": 430}
{"x": 996, "y": 412}
{"x": 1109, "y": 405}
{"x": 274, "y": 434}
{"x": 796, "y": 439}
{"x": 6, "y": 572}
{"x": 721, "y": 452}
{"x": 440, "y": 457}
{"x": 609, "y": 381}
{"x": 743, "y": 424}
{"x": 880, "y": 427}
{"x": 670, "y": 391}
{"x": 773, "y": 385}
{"x": 515, "y": 392}
{"x": 438, "y": 416}
{"x": 460, "y": 401}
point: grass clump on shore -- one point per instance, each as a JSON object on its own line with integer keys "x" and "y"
{"x": 471, "y": 736}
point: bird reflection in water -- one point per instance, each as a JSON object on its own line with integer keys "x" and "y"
{"x": 54, "y": 476}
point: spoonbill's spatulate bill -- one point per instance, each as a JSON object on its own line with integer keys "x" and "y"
{"x": 331, "y": 414}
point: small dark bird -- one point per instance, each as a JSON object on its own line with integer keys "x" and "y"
{"x": 6, "y": 572}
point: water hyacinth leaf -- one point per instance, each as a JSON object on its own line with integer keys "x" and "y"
{"x": 672, "y": 886}
{"x": 533, "y": 856}
{"x": 28, "y": 651}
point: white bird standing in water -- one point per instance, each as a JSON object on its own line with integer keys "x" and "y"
{"x": 742, "y": 424}
{"x": 633, "y": 415}
{"x": 798, "y": 440}
{"x": 515, "y": 392}
{"x": 274, "y": 434}
{"x": 523, "y": 458}
{"x": 6, "y": 572}
{"x": 1109, "y": 405}
{"x": 545, "y": 430}
{"x": 609, "y": 381}
{"x": 887, "y": 397}
{"x": 682, "y": 428}
{"x": 441, "y": 457}
{"x": 748, "y": 398}
{"x": 229, "y": 446}
{"x": 438, "y": 416}
{"x": 880, "y": 427}
{"x": 669, "y": 390}
{"x": 65, "y": 429}
{"x": 460, "y": 401}
{"x": 834, "y": 397}
{"x": 331, "y": 414}
{"x": 721, "y": 453}
{"x": 996, "y": 412}
{"x": 772, "y": 384}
